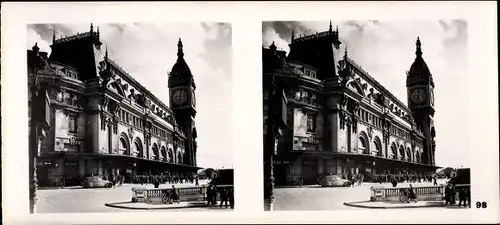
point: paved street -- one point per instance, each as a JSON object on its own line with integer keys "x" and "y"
{"x": 328, "y": 198}
{"x": 79, "y": 200}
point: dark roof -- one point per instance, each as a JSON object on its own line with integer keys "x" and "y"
{"x": 419, "y": 67}
{"x": 181, "y": 68}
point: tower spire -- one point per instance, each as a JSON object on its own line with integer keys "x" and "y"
{"x": 35, "y": 48}
{"x": 293, "y": 36}
{"x": 418, "y": 52}
{"x": 330, "y": 28}
{"x": 97, "y": 32}
{"x": 180, "y": 52}
{"x": 106, "y": 54}
{"x": 53, "y": 36}
{"x": 345, "y": 52}
{"x": 91, "y": 28}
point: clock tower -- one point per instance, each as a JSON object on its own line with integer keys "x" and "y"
{"x": 420, "y": 89}
{"x": 183, "y": 102}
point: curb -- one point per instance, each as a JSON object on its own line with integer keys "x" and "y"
{"x": 116, "y": 205}
{"x": 356, "y": 204}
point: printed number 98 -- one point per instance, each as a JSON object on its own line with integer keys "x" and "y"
{"x": 481, "y": 205}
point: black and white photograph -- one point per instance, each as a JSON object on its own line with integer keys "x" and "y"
{"x": 302, "y": 112}
{"x": 357, "y": 115}
{"x": 121, "y": 117}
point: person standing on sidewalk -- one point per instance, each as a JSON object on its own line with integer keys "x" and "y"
{"x": 223, "y": 197}
{"x": 447, "y": 194}
{"x": 461, "y": 197}
{"x": 230, "y": 197}
{"x": 453, "y": 194}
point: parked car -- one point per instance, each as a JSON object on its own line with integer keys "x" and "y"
{"x": 96, "y": 182}
{"x": 333, "y": 181}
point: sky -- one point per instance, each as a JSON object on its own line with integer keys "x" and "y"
{"x": 386, "y": 49}
{"x": 147, "y": 51}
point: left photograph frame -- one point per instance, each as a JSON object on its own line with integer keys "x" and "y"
{"x": 112, "y": 112}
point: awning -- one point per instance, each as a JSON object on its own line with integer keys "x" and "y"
{"x": 114, "y": 157}
{"x": 365, "y": 157}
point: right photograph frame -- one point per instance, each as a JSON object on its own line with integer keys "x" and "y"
{"x": 350, "y": 113}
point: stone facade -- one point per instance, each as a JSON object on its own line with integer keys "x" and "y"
{"x": 340, "y": 119}
{"x": 103, "y": 122}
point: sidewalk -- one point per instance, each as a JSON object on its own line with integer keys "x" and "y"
{"x": 159, "y": 206}
{"x": 399, "y": 205}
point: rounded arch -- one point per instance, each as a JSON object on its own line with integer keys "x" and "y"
{"x": 378, "y": 145}
{"x": 401, "y": 153}
{"x": 170, "y": 155}
{"x": 156, "y": 152}
{"x": 363, "y": 143}
{"x": 392, "y": 153}
{"x": 138, "y": 148}
{"x": 164, "y": 153}
{"x": 123, "y": 145}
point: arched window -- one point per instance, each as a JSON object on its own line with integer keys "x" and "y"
{"x": 393, "y": 152}
{"x": 401, "y": 152}
{"x": 163, "y": 154}
{"x": 122, "y": 149}
{"x": 170, "y": 156}
{"x": 138, "y": 148}
{"x": 378, "y": 146}
{"x": 363, "y": 145}
{"x": 155, "y": 152}
{"x": 179, "y": 158}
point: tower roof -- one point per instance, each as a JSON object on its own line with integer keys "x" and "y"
{"x": 419, "y": 66}
{"x": 180, "y": 67}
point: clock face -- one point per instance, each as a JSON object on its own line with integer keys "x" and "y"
{"x": 418, "y": 96}
{"x": 180, "y": 97}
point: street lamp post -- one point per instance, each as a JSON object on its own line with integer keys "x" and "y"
{"x": 39, "y": 123}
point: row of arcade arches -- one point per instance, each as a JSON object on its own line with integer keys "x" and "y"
{"x": 393, "y": 152}
{"x": 159, "y": 153}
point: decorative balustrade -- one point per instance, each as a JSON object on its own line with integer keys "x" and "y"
{"x": 425, "y": 193}
{"x": 152, "y": 195}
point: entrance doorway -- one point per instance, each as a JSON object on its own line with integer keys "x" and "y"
{"x": 309, "y": 170}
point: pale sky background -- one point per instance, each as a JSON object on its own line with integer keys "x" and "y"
{"x": 387, "y": 49}
{"x": 147, "y": 51}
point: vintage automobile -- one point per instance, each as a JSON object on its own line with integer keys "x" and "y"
{"x": 96, "y": 182}
{"x": 333, "y": 181}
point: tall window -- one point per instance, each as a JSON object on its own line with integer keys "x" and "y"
{"x": 72, "y": 124}
{"x": 311, "y": 123}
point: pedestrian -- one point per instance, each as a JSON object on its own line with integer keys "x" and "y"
{"x": 467, "y": 196}
{"x": 462, "y": 197}
{"x": 223, "y": 197}
{"x": 63, "y": 181}
{"x": 447, "y": 194}
{"x": 196, "y": 180}
{"x": 209, "y": 194}
{"x": 230, "y": 197}
{"x": 435, "y": 180}
{"x": 453, "y": 194}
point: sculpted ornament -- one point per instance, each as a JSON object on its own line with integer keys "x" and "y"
{"x": 370, "y": 132}
{"x": 131, "y": 133}
{"x": 354, "y": 124}
{"x": 103, "y": 120}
